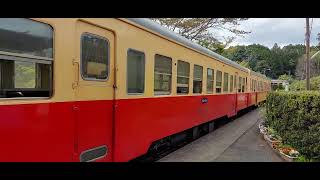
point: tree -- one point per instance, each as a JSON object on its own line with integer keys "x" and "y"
{"x": 236, "y": 53}
{"x": 204, "y": 30}
{"x": 314, "y": 65}
{"x": 286, "y": 77}
{"x": 278, "y": 61}
{"x": 291, "y": 54}
{"x": 260, "y": 58}
{"x": 301, "y": 85}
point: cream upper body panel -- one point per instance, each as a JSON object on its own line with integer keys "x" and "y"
{"x": 127, "y": 35}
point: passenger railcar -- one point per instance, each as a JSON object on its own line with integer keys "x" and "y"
{"x": 109, "y": 89}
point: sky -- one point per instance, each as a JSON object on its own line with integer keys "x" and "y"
{"x": 283, "y": 31}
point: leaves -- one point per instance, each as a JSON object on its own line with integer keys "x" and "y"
{"x": 204, "y": 30}
{"x": 300, "y": 85}
{"x": 286, "y": 60}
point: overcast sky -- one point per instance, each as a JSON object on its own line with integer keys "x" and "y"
{"x": 284, "y": 31}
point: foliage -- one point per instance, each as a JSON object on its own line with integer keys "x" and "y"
{"x": 314, "y": 65}
{"x": 301, "y": 85}
{"x": 302, "y": 158}
{"x": 255, "y": 56}
{"x": 286, "y": 77}
{"x": 295, "y": 117}
{"x": 279, "y": 60}
{"x": 24, "y": 75}
{"x": 203, "y": 30}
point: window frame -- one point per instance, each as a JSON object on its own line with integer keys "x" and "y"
{"x": 162, "y": 93}
{"x": 144, "y": 83}
{"x": 221, "y": 91}
{"x": 231, "y": 84}
{"x": 208, "y": 92}
{"x": 225, "y": 90}
{"x": 239, "y": 89}
{"x": 183, "y": 77}
{"x": 193, "y": 79}
{"x": 29, "y": 56}
{"x": 108, "y": 60}
{"x": 11, "y": 56}
{"x": 235, "y": 88}
{"x": 243, "y": 88}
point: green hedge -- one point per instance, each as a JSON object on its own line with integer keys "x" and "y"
{"x": 295, "y": 116}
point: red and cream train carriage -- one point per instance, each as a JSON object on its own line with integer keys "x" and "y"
{"x": 107, "y": 89}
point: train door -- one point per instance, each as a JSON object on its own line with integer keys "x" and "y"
{"x": 94, "y": 93}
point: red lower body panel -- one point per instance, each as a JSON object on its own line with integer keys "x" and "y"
{"x": 242, "y": 101}
{"x": 36, "y": 132}
{"x": 54, "y": 132}
{"x": 252, "y": 99}
{"x": 139, "y": 122}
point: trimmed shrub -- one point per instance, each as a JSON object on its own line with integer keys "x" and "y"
{"x": 295, "y": 116}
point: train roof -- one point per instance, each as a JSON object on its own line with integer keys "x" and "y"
{"x": 149, "y": 24}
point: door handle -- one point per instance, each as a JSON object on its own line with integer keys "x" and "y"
{"x": 75, "y": 84}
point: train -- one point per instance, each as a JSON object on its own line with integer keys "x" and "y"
{"x": 110, "y": 89}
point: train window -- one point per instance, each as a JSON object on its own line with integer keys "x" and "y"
{"x": 183, "y": 70}
{"x": 251, "y": 85}
{"x": 162, "y": 75}
{"x": 225, "y": 82}
{"x": 235, "y": 82}
{"x": 210, "y": 80}
{"x": 26, "y": 37}
{"x": 26, "y": 57}
{"x": 197, "y": 79}
{"x": 254, "y": 85}
{"x": 246, "y": 85}
{"x": 135, "y": 72}
{"x": 243, "y": 85}
{"x": 259, "y": 87}
{"x": 239, "y": 84}
{"x": 231, "y": 83}
{"x": 219, "y": 82}
{"x": 94, "y": 57}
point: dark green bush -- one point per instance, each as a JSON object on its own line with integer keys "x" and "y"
{"x": 295, "y": 116}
